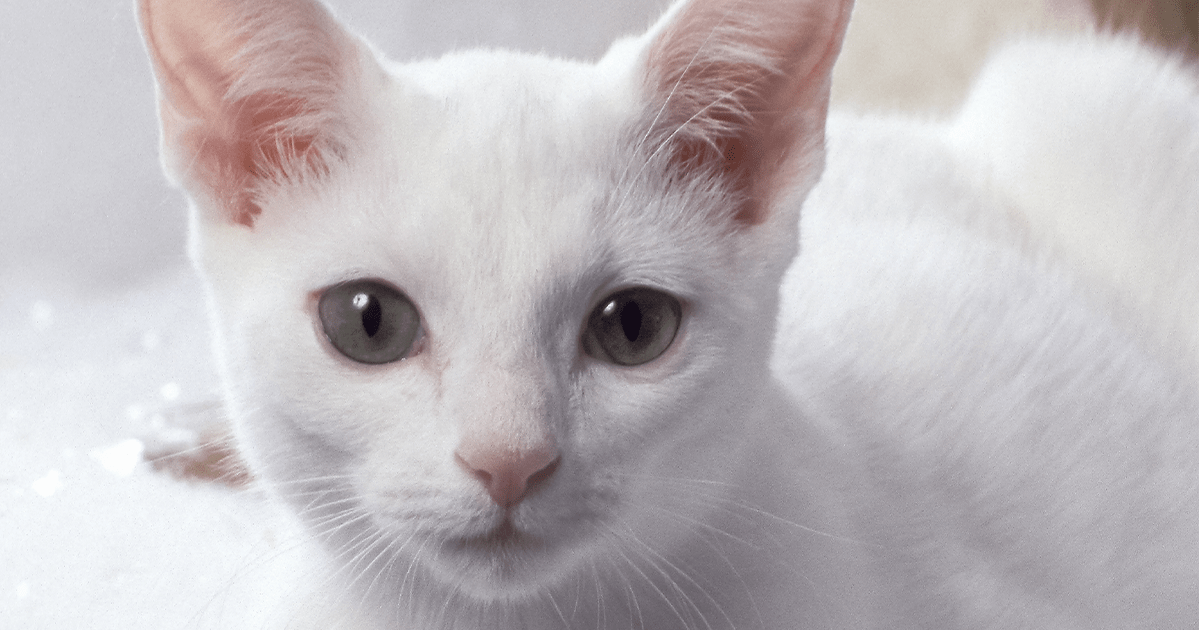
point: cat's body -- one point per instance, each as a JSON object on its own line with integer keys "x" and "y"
{"x": 958, "y": 429}
{"x": 1031, "y": 443}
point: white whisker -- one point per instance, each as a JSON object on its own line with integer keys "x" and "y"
{"x": 557, "y": 609}
{"x": 666, "y": 599}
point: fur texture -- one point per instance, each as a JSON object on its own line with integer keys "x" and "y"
{"x": 957, "y": 429}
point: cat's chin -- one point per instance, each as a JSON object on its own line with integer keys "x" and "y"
{"x": 505, "y": 562}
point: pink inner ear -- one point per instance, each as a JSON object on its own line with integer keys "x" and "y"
{"x": 252, "y": 146}
{"x": 744, "y": 89}
{"x": 251, "y": 93}
{"x": 731, "y": 157}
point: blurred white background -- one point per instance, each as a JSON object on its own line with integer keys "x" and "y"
{"x": 102, "y": 332}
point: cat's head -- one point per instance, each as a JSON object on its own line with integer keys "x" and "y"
{"x": 476, "y": 314}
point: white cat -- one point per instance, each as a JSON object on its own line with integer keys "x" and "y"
{"x": 498, "y": 328}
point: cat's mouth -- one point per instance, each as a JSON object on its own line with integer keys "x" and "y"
{"x": 504, "y": 537}
{"x": 510, "y": 552}
{"x": 500, "y": 562}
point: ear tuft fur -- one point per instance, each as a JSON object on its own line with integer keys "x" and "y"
{"x": 742, "y": 89}
{"x": 250, "y": 93}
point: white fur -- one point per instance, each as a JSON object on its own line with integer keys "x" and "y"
{"x": 959, "y": 311}
{"x": 1103, "y": 164}
{"x": 957, "y": 429}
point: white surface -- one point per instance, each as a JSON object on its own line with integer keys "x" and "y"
{"x": 88, "y": 538}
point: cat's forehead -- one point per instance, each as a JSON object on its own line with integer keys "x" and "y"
{"x": 466, "y": 72}
{"x": 503, "y": 93}
{"x": 504, "y": 151}
{"x": 495, "y": 148}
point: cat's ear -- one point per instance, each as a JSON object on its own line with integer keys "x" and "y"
{"x": 250, "y": 92}
{"x": 739, "y": 92}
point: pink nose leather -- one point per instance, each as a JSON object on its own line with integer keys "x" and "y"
{"x": 508, "y": 475}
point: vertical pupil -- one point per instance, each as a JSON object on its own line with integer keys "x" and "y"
{"x": 372, "y": 312}
{"x": 630, "y": 321}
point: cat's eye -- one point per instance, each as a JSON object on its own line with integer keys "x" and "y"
{"x": 633, "y": 326}
{"x": 368, "y": 321}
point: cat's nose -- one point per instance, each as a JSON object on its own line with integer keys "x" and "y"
{"x": 508, "y": 475}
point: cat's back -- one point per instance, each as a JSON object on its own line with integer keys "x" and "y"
{"x": 1032, "y": 447}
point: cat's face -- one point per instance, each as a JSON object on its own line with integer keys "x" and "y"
{"x": 514, "y": 302}
{"x": 495, "y": 238}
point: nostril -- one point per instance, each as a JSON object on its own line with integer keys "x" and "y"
{"x": 482, "y": 475}
{"x": 540, "y": 476}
